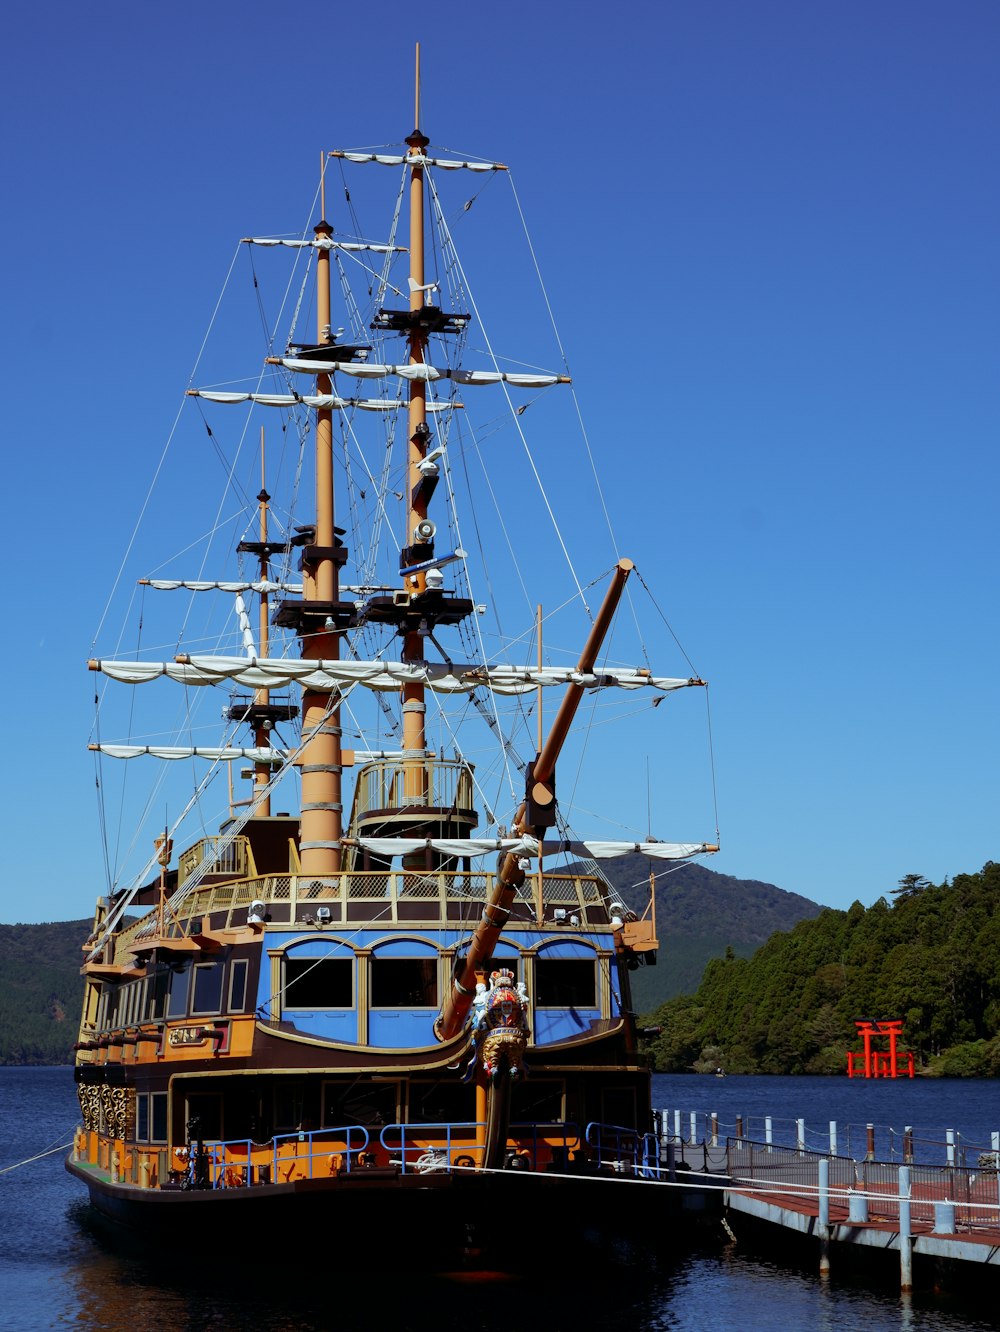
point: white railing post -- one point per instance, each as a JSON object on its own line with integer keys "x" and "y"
{"x": 694, "y": 1126}
{"x": 768, "y": 1133}
{"x": 905, "y": 1241}
{"x": 824, "y": 1217}
{"x": 800, "y": 1134}
{"x": 677, "y": 1126}
{"x": 949, "y": 1137}
{"x": 833, "y": 1137}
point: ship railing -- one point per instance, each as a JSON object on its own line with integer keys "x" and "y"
{"x": 218, "y": 855}
{"x": 313, "y": 1154}
{"x": 624, "y": 1151}
{"x": 947, "y": 1199}
{"x": 447, "y": 1147}
{"x": 440, "y": 783}
{"x": 436, "y": 890}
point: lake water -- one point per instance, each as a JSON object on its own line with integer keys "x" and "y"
{"x": 56, "y": 1271}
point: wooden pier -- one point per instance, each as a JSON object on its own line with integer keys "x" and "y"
{"x": 926, "y": 1217}
{"x": 937, "y": 1212}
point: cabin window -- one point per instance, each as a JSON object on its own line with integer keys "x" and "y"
{"x": 208, "y": 987}
{"x": 179, "y": 990}
{"x": 371, "y": 1104}
{"x": 158, "y": 1116}
{"x": 204, "y": 1116}
{"x": 565, "y": 982}
{"x": 157, "y": 992}
{"x": 238, "y": 986}
{"x": 404, "y": 982}
{"x": 443, "y": 1102}
{"x": 288, "y": 1111}
{"x": 142, "y": 1118}
{"x": 318, "y": 982}
{"x": 538, "y": 1102}
{"x": 618, "y": 1106}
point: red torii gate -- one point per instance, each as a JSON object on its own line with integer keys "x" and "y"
{"x": 878, "y": 1063}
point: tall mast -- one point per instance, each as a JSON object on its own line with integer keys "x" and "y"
{"x": 414, "y": 707}
{"x": 262, "y": 697}
{"x": 321, "y": 760}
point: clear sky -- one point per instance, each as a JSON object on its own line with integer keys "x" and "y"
{"x": 770, "y": 233}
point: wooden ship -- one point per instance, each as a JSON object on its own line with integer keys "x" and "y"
{"x": 387, "y": 1007}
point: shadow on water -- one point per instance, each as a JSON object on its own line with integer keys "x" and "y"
{"x": 307, "y": 1281}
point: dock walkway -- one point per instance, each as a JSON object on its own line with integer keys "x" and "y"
{"x": 921, "y": 1211}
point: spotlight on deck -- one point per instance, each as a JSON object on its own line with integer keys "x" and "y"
{"x": 256, "y": 913}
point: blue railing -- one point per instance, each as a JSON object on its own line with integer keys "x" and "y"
{"x": 345, "y": 1143}
{"x": 421, "y": 1149}
{"x": 626, "y": 1151}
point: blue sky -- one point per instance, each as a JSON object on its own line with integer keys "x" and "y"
{"x": 769, "y": 234}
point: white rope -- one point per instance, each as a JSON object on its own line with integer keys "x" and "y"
{"x": 37, "y": 1157}
{"x": 513, "y": 412}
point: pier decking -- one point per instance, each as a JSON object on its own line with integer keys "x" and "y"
{"x": 924, "y": 1213}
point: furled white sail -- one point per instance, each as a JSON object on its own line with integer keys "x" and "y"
{"x": 529, "y": 846}
{"x": 227, "y": 754}
{"x": 324, "y": 243}
{"x": 427, "y": 373}
{"x": 202, "y": 585}
{"x": 319, "y": 400}
{"x": 418, "y": 159}
{"x": 442, "y": 677}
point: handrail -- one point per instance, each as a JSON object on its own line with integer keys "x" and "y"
{"x": 355, "y": 1139}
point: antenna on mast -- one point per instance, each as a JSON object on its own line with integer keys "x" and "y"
{"x": 416, "y": 91}
{"x": 322, "y": 202}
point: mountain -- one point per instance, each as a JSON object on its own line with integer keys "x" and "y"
{"x": 699, "y": 915}
{"x": 41, "y": 991}
{"x": 930, "y": 958}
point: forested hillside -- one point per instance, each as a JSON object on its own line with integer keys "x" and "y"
{"x": 930, "y": 957}
{"x": 41, "y": 991}
{"x": 699, "y": 914}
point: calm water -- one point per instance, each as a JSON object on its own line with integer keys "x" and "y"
{"x": 55, "y": 1271}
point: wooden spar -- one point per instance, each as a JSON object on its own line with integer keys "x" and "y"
{"x": 510, "y": 876}
{"x": 262, "y": 731}
{"x": 539, "y": 893}
{"x": 414, "y": 706}
{"x": 320, "y": 761}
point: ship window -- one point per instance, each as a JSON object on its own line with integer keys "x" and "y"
{"x": 370, "y": 1104}
{"x": 404, "y": 982}
{"x": 238, "y": 986}
{"x": 325, "y": 982}
{"x": 179, "y": 990}
{"x": 208, "y": 987}
{"x": 142, "y": 1118}
{"x": 288, "y": 1107}
{"x": 565, "y": 982}
{"x": 536, "y": 1102}
{"x": 204, "y": 1117}
{"x": 159, "y": 1116}
{"x": 618, "y": 1106}
{"x": 442, "y": 1103}
{"x": 158, "y": 993}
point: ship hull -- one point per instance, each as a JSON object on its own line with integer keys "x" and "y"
{"x": 492, "y": 1219}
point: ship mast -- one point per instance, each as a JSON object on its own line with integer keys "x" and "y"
{"x": 262, "y": 698}
{"x": 414, "y": 706}
{"x": 321, "y": 759}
